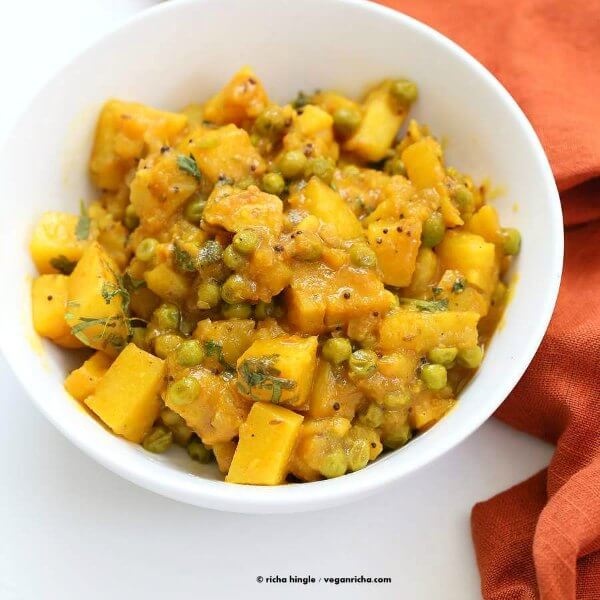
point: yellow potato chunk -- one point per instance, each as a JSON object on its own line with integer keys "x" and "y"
{"x": 381, "y": 120}
{"x": 233, "y": 336}
{"x": 331, "y": 101}
{"x": 427, "y": 410}
{"x": 460, "y": 295}
{"x": 243, "y": 98}
{"x": 95, "y": 302}
{"x": 83, "y": 381}
{"x": 422, "y": 164}
{"x": 224, "y": 452}
{"x": 167, "y": 283}
{"x": 355, "y": 293}
{"x": 235, "y": 209}
{"x": 54, "y": 245}
{"x": 278, "y": 370}
{"x": 328, "y": 206}
{"x": 48, "y": 306}
{"x": 422, "y": 331}
{"x": 160, "y": 189}
{"x": 312, "y": 129}
{"x": 267, "y": 440}
{"x": 125, "y": 132}
{"x": 472, "y": 256}
{"x": 333, "y": 395}
{"x": 224, "y": 153}
{"x": 485, "y": 222}
{"x": 217, "y": 413}
{"x": 127, "y": 397}
{"x": 396, "y": 244}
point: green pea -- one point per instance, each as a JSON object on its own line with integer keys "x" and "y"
{"x": 146, "y": 249}
{"x": 165, "y": 344}
{"x": 273, "y": 183}
{"x": 470, "y": 357}
{"x": 138, "y": 337}
{"x": 321, "y": 167}
{"x": 404, "y": 91}
{"x": 333, "y": 464}
{"x": 396, "y": 437}
{"x": 396, "y": 400}
{"x": 263, "y": 310}
{"x": 182, "y": 434}
{"x": 345, "y": 121}
{"x": 292, "y": 164}
{"x": 442, "y": 356}
{"x": 190, "y": 353}
{"x": 433, "y": 230}
{"x": 170, "y": 418}
{"x": 167, "y": 316}
{"x": 195, "y": 208}
{"x": 209, "y": 295}
{"x": 234, "y": 289}
{"x": 159, "y": 440}
{"x": 241, "y": 310}
{"x": 362, "y": 256}
{"x": 337, "y": 350}
{"x": 394, "y": 166}
{"x": 362, "y": 363}
{"x": 511, "y": 241}
{"x": 233, "y": 260}
{"x": 183, "y": 391}
{"x": 464, "y": 199}
{"x": 351, "y": 171}
{"x": 199, "y": 452}
{"x": 270, "y": 122}
{"x": 307, "y": 246}
{"x": 246, "y": 241}
{"x": 210, "y": 253}
{"x": 131, "y": 219}
{"x": 358, "y": 454}
{"x": 434, "y": 377}
{"x": 373, "y": 416}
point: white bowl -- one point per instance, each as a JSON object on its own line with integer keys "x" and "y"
{"x": 181, "y": 52}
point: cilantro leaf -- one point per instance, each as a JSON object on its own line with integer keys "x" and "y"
{"x": 189, "y": 165}
{"x": 183, "y": 260}
{"x": 261, "y": 373}
{"x": 82, "y": 229}
{"x": 426, "y": 305}
{"x": 63, "y": 264}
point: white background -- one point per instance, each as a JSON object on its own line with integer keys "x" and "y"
{"x": 69, "y": 529}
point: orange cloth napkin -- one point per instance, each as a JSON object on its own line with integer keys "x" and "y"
{"x": 541, "y": 539}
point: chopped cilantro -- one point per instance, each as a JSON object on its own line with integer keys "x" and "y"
{"x": 82, "y": 229}
{"x": 260, "y": 373}
{"x": 63, "y": 264}
{"x": 189, "y": 165}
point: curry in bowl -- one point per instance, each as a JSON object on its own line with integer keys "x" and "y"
{"x": 285, "y": 289}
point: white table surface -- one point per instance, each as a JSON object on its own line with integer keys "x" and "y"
{"x": 71, "y": 530}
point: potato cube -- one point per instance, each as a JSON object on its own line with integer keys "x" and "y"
{"x": 54, "y": 245}
{"x": 396, "y": 244}
{"x": 127, "y": 397}
{"x": 422, "y": 163}
{"x": 232, "y": 336}
{"x": 226, "y": 152}
{"x": 422, "y": 331}
{"x": 95, "y": 302}
{"x": 167, "y": 283}
{"x": 224, "y": 452}
{"x": 332, "y": 394}
{"x": 472, "y": 256}
{"x": 328, "y": 206}
{"x": 381, "y": 120}
{"x": 124, "y": 133}
{"x": 160, "y": 190}
{"x": 354, "y": 293}
{"x": 235, "y": 209}
{"x": 278, "y": 370}
{"x": 485, "y": 222}
{"x": 48, "y": 306}
{"x": 428, "y": 410}
{"x": 83, "y": 381}
{"x": 243, "y": 98}
{"x": 267, "y": 440}
{"x": 217, "y": 413}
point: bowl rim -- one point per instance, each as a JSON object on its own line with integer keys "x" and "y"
{"x": 219, "y": 495}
